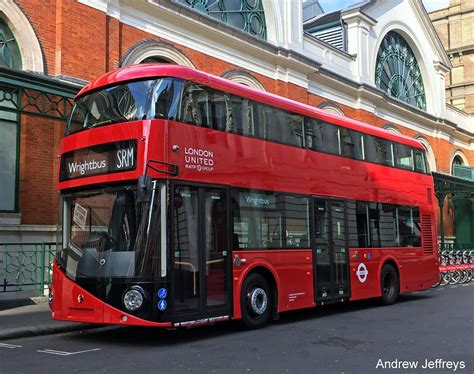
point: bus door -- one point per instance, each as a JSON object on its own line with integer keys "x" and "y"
{"x": 200, "y": 255}
{"x": 331, "y": 255}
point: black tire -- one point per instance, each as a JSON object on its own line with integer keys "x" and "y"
{"x": 389, "y": 285}
{"x": 256, "y": 301}
{"x": 440, "y": 280}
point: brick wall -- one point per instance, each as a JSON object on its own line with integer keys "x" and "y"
{"x": 39, "y": 147}
{"x": 81, "y": 42}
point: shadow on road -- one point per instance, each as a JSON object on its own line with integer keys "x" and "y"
{"x": 11, "y": 304}
{"x": 156, "y": 337}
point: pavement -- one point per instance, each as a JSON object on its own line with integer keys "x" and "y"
{"x": 31, "y": 317}
{"x": 431, "y": 331}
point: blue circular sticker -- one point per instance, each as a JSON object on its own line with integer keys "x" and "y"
{"x": 162, "y": 304}
{"x": 162, "y": 293}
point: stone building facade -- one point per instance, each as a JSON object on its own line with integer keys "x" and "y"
{"x": 266, "y": 44}
{"x": 455, "y": 26}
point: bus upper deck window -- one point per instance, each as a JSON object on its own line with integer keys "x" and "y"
{"x": 420, "y": 162}
{"x": 166, "y": 99}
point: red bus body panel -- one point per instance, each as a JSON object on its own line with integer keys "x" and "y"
{"x": 416, "y": 273}
{"x": 244, "y": 162}
{"x": 292, "y": 270}
{"x": 73, "y": 303}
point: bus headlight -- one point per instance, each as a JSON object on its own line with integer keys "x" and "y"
{"x": 133, "y": 299}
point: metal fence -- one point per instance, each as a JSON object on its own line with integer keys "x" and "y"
{"x": 26, "y": 267}
{"x": 450, "y": 247}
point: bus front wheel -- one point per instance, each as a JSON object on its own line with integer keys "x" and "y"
{"x": 255, "y": 301}
{"x": 389, "y": 284}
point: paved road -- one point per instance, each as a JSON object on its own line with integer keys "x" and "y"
{"x": 351, "y": 338}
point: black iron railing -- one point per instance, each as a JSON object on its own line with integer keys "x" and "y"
{"x": 26, "y": 266}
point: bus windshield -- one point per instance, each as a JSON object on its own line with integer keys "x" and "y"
{"x": 139, "y": 100}
{"x": 108, "y": 234}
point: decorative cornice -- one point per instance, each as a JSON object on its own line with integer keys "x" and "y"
{"x": 441, "y": 67}
{"x": 357, "y": 16}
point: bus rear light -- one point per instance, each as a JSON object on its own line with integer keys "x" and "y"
{"x": 50, "y": 298}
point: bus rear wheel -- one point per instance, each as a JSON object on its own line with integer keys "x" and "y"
{"x": 389, "y": 284}
{"x": 255, "y": 301}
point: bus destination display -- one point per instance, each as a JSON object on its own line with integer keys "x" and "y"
{"x": 99, "y": 159}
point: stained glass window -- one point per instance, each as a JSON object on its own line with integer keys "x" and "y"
{"x": 247, "y": 15}
{"x": 9, "y": 51}
{"x": 397, "y": 72}
{"x": 8, "y": 153}
{"x": 9, "y": 57}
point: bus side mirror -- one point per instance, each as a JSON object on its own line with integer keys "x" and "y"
{"x": 144, "y": 189}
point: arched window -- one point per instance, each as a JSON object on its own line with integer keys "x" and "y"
{"x": 397, "y": 72}
{"x": 9, "y": 123}
{"x": 243, "y": 77}
{"x": 157, "y": 59}
{"x": 246, "y": 15}
{"x": 332, "y": 108}
{"x": 150, "y": 50}
{"x": 459, "y": 159}
{"x": 9, "y": 51}
{"x": 392, "y": 128}
{"x": 429, "y": 152}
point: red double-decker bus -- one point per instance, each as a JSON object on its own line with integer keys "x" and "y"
{"x": 188, "y": 199}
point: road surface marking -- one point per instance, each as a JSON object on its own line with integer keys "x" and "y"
{"x": 11, "y": 346}
{"x": 62, "y": 353}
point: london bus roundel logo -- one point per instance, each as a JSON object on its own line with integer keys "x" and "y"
{"x": 362, "y": 273}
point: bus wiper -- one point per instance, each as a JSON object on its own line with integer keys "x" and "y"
{"x": 105, "y": 122}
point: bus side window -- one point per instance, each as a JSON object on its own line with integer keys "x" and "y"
{"x": 420, "y": 161}
{"x": 379, "y": 150}
{"x": 220, "y": 111}
{"x": 374, "y": 224}
{"x": 387, "y": 225}
{"x": 280, "y": 126}
{"x": 276, "y": 120}
{"x": 266, "y": 220}
{"x": 296, "y": 221}
{"x": 347, "y": 143}
{"x": 351, "y": 143}
{"x": 295, "y": 130}
{"x": 352, "y": 224}
{"x": 240, "y": 123}
{"x": 314, "y": 134}
{"x": 260, "y": 120}
{"x": 309, "y": 133}
{"x": 248, "y": 122}
{"x": 331, "y": 142}
{"x": 409, "y": 229}
{"x": 195, "y": 105}
{"x": 288, "y": 127}
{"x": 362, "y": 218}
{"x": 166, "y": 98}
{"x": 404, "y": 156}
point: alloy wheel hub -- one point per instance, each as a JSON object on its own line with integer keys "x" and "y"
{"x": 258, "y": 300}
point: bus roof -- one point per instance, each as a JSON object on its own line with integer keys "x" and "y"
{"x": 146, "y": 71}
